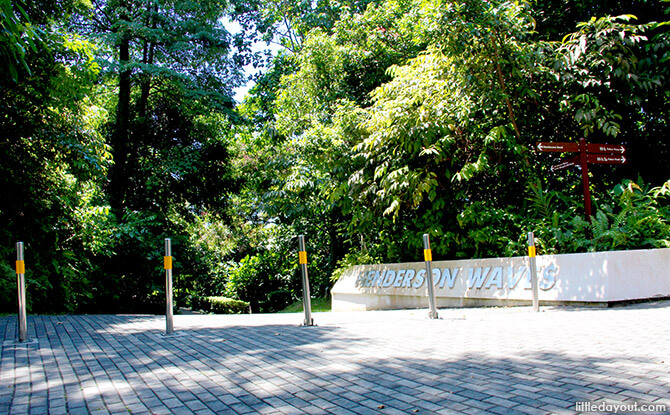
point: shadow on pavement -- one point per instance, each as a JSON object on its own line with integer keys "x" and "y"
{"x": 124, "y": 364}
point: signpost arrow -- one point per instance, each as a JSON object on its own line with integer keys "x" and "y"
{"x": 605, "y": 148}
{"x": 588, "y": 154}
{"x": 567, "y": 163}
{"x": 605, "y": 159}
{"x": 558, "y": 147}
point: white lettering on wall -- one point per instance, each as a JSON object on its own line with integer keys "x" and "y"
{"x": 495, "y": 278}
{"x": 448, "y": 277}
{"x": 407, "y": 281}
{"x": 390, "y": 277}
{"x": 548, "y": 277}
{"x": 420, "y": 277}
{"x": 514, "y": 278}
{"x": 477, "y": 276}
{"x": 398, "y": 278}
{"x": 369, "y": 278}
{"x": 487, "y": 278}
{"x": 359, "y": 280}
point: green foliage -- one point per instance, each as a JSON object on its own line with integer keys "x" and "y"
{"x": 17, "y": 37}
{"x": 53, "y": 167}
{"x": 220, "y": 305}
{"x": 379, "y": 122}
{"x": 444, "y": 131}
{"x": 488, "y": 232}
{"x": 353, "y": 258}
{"x": 415, "y": 117}
{"x": 601, "y": 53}
{"x": 288, "y": 22}
{"x": 628, "y": 217}
{"x": 259, "y": 279}
{"x": 638, "y": 219}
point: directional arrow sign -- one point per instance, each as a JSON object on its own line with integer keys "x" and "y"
{"x": 567, "y": 163}
{"x": 605, "y": 159}
{"x": 605, "y": 148}
{"x": 558, "y": 147}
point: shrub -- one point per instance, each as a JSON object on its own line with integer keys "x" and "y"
{"x": 631, "y": 216}
{"x": 256, "y": 276}
{"x": 220, "y": 305}
{"x": 278, "y": 300}
{"x": 224, "y": 305}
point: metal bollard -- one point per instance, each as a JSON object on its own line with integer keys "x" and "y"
{"x": 428, "y": 257}
{"x": 533, "y": 271}
{"x": 167, "y": 264}
{"x": 306, "y": 300}
{"x": 21, "y": 286}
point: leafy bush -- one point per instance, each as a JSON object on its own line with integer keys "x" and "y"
{"x": 627, "y": 217}
{"x": 219, "y": 305}
{"x": 258, "y": 276}
{"x": 489, "y": 232}
{"x": 223, "y": 305}
{"x": 355, "y": 257}
{"x": 279, "y": 299}
{"x": 637, "y": 218}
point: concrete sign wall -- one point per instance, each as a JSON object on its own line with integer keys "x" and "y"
{"x": 598, "y": 278}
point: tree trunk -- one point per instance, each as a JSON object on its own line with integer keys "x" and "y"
{"x": 147, "y": 59}
{"x": 120, "y": 140}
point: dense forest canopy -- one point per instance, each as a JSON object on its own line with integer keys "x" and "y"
{"x": 376, "y": 122}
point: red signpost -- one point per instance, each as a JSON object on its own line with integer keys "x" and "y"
{"x": 565, "y": 164}
{"x": 588, "y": 154}
{"x": 605, "y": 148}
{"x": 558, "y": 147}
{"x": 605, "y": 159}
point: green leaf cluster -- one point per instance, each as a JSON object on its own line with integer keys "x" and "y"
{"x": 220, "y": 305}
{"x": 378, "y": 122}
{"x": 630, "y": 216}
{"x": 414, "y": 117}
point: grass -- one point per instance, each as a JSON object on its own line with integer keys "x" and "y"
{"x": 318, "y": 305}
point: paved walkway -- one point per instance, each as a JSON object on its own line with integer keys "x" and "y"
{"x": 496, "y": 360}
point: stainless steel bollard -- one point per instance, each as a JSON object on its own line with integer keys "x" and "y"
{"x": 428, "y": 257}
{"x": 306, "y": 300}
{"x": 533, "y": 271}
{"x": 21, "y": 286}
{"x": 167, "y": 264}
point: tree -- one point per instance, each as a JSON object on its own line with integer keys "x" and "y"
{"x": 289, "y": 22}
{"x": 171, "y": 67}
{"x": 447, "y": 137}
{"x": 448, "y": 130}
{"x": 18, "y": 36}
{"x": 296, "y": 149}
{"x": 168, "y": 56}
{"x": 54, "y": 162}
{"x": 460, "y": 118}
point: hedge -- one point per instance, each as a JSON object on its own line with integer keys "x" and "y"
{"x": 220, "y": 305}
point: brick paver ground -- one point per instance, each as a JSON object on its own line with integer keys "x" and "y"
{"x": 495, "y": 360}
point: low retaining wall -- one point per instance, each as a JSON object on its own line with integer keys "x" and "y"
{"x": 595, "y": 278}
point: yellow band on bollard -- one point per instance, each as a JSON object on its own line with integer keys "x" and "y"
{"x": 167, "y": 262}
{"x": 20, "y": 267}
{"x": 302, "y": 256}
{"x": 427, "y": 255}
{"x": 531, "y": 251}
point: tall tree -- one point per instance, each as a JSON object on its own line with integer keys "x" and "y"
{"x": 288, "y": 22}
{"x": 171, "y": 69}
{"x": 54, "y": 159}
{"x": 171, "y": 58}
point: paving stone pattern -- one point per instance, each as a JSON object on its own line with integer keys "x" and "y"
{"x": 495, "y": 360}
